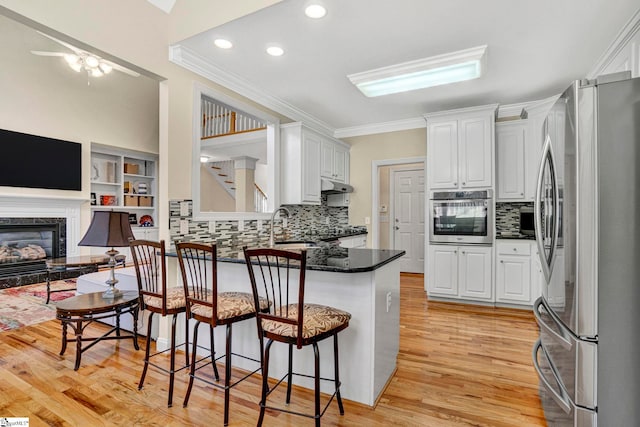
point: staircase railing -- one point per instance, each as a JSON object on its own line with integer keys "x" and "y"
{"x": 220, "y": 120}
{"x": 260, "y": 199}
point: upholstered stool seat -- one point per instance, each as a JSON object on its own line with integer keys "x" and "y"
{"x": 316, "y": 320}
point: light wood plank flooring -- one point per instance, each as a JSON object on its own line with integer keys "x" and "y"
{"x": 459, "y": 365}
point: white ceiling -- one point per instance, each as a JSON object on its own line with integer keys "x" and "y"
{"x": 535, "y": 49}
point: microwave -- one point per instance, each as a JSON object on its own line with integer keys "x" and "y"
{"x": 527, "y": 227}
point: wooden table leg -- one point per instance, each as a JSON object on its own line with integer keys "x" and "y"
{"x": 78, "y": 344}
{"x": 64, "y": 337}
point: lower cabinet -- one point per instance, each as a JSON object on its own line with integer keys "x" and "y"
{"x": 518, "y": 272}
{"x": 462, "y": 272}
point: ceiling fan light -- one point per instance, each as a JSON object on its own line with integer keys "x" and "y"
{"x": 92, "y": 61}
{"x": 71, "y": 58}
{"x": 105, "y": 68}
{"x": 95, "y": 72}
{"x": 76, "y": 66}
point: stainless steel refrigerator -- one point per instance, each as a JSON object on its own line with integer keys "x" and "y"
{"x": 587, "y": 214}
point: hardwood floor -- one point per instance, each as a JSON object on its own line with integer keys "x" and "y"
{"x": 458, "y": 365}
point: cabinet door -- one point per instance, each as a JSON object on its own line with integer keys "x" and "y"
{"x": 311, "y": 147}
{"x": 476, "y": 152}
{"x": 513, "y": 283}
{"x": 510, "y": 143}
{"x": 326, "y": 159}
{"x": 475, "y": 273}
{"x": 442, "y": 154}
{"x": 340, "y": 162}
{"x": 443, "y": 270}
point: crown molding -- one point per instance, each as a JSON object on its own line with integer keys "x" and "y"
{"x": 190, "y": 60}
{"x": 374, "y": 128}
{"x": 621, "y": 40}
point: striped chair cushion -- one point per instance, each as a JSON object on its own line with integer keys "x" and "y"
{"x": 230, "y": 304}
{"x": 317, "y": 319}
{"x": 175, "y": 299}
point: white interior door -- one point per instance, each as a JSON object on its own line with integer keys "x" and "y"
{"x": 408, "y": 221}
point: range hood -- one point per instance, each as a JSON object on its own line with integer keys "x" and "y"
{"x": 334, "y": 187}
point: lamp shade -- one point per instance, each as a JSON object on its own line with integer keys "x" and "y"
{"x": 108, "y": 229}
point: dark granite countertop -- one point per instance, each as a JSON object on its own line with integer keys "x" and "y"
{"x": 335, "y": 236}
{"x": 327, "y": 257}
{"x": 514, "y": 236}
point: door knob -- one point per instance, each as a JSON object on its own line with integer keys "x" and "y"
{"x": 396, "y": 227}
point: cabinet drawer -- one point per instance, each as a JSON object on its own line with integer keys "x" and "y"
{"x": 514, "y": 248}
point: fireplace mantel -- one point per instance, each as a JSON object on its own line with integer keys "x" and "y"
{"x": 47, "y": 207}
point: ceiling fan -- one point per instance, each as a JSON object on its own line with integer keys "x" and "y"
{"x": 79, "y": 60}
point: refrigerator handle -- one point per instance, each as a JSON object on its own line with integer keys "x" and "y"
{"x": 546, "y": 270}
{"x": 565, "y": 342}
{"x": 559, "y": 398}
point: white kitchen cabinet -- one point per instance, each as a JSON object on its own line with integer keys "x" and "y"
{"x": 305, "y": 154}
{"x": 334, "y": 160}
{"x": 513, "y": 272}
{"x": 510, "y": 146}
{"x": 462, "y": 272}
{"x": 300, "y": 174}
{"x": 460, "y": 148}
{"x": 358, "y": 241}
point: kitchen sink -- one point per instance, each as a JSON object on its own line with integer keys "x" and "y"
{"x": 295, "y": 245}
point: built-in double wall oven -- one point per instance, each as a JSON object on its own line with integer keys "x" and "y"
{"x": 462, "y": 217}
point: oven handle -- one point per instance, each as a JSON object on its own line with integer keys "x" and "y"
{"x": 561, "y": 399}
{"x": 565, "y": 342}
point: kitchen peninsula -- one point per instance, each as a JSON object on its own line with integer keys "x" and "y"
{"x": 364, "y": 282}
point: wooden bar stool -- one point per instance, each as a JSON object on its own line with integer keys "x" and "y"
{"x": 151, "y": 272}
{"x": 292, "y": 321}
{"x": 199, "y": 276}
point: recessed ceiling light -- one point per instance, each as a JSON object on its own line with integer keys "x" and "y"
{"x": 275, "y": 51}
{"x": 423, "y": 73}
{"x": 223, "y": 43}
{"x": 315, "y": 11}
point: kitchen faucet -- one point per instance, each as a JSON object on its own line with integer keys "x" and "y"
{"x": 273, "y": 215}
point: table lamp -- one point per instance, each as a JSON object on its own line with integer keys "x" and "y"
{"x": 109, "y": 229}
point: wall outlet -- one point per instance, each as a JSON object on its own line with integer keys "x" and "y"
{"x": 259, "y": 225}
{"x": 284, "y": 221}
{"x": 241, "y": 225}
{"x": 367, "y": 220}
{"x": 184, "y": 226}
{"x": 388, "y": 301}
{"x": 327, "y": 221}
{"x": 212, "y": 227}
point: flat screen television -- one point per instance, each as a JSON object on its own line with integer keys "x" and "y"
{"x": 39, "y": 162}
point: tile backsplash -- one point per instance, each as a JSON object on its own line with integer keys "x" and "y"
{"x": 508, "y": 217}
{"x": 306, "y": 221}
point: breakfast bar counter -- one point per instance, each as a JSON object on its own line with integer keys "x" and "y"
{"x": 364, "y": 282}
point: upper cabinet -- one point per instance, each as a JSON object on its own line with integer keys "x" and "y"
{"x": 510, "y": 147}
{"x": 125, "y": 180}
{"x": 307, "y": 156}
{"x": 460, "y": 148}
{"x": 334, "y": 162}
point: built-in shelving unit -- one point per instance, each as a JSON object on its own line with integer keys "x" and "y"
{"x": 126, "y": 180}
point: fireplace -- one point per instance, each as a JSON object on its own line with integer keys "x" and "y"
{"x": 25, "y": 245}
